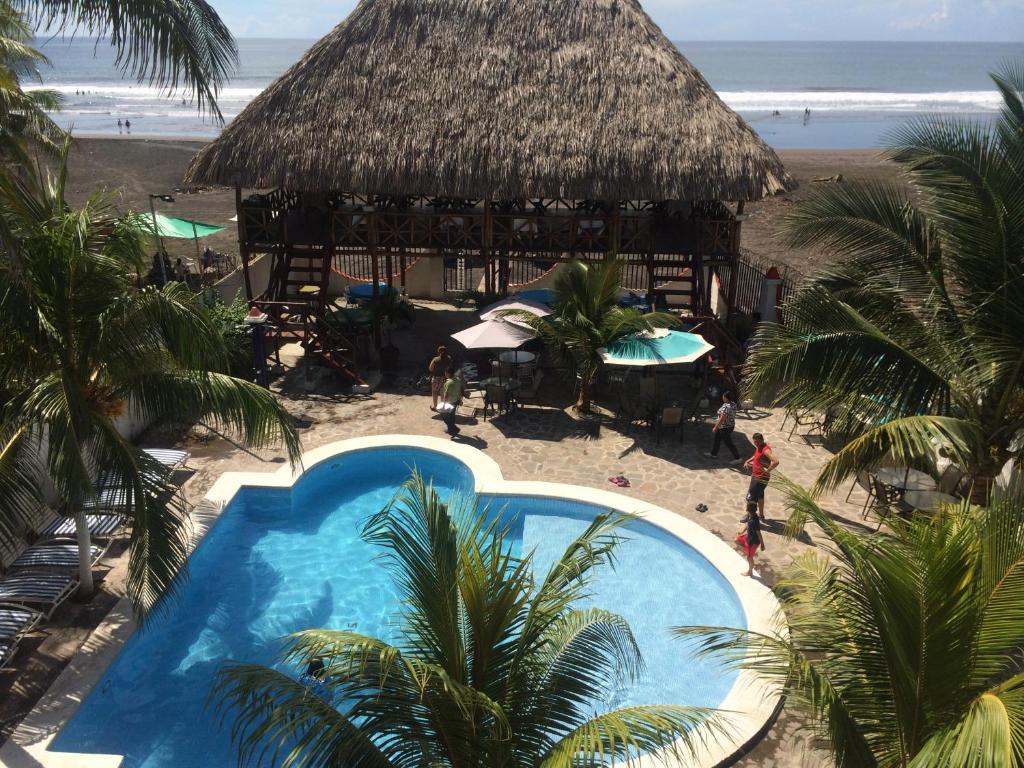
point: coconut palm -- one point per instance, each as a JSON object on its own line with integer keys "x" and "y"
{"x": 82, "y": 346}
{"x": 22, "y": 113}
{"x": 586, "y": 318}
{"x": 167, "y": 43}
{"x": 903, "y": 649}
{"x": 912, "y": 337}
{"x": 491, "y": 667}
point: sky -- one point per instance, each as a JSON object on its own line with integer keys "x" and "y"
{"x": 942, "y": 20}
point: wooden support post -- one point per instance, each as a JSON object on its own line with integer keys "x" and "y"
{"x": 243, "y": 248}
{"x": 734, "y": 256}
{"x": 616, "y": 228}
{"x": 375, "y": 276}
{"x": 401, "y": 268}
{"x": 486, "y": 244}
{"x": 388, "y": 269}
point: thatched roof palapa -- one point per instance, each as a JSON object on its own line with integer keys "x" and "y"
{"x": 495, "y": 98}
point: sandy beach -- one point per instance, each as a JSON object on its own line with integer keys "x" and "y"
{"x": 132, "y": 169}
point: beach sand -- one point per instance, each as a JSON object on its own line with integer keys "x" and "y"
{"x": 133, "y": 169}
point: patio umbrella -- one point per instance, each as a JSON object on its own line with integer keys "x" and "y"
{"x": 660, "y": 347}
{"x": 494, "y": 334}
{"x": 514, "y": 303}
{"x": 539, "y": 295}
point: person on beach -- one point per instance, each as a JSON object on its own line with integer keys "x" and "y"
{"x": 451, "y": 397}
{"x": 437, "y": 369}
{"x": 723, "y": 429}
{"x": 749, "y": 537}
{"x": 761, "y": 465}
{"x": 128, "y": 125}
{"x": 120, "y": 126}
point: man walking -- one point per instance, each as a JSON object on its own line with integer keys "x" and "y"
{"x": 761, "y": 465}
{"x": 723, "y": 429}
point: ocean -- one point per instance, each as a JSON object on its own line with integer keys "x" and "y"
{"x": 856, "y": 91}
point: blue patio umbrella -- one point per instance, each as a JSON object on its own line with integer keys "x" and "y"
{"x": 540, "y": 295}
{"x": 364, "y": 291}
{"x": 660, "y": 347}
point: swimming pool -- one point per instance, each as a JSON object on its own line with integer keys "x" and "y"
{"x": 280, "y": 559}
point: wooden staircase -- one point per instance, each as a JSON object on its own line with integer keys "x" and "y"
{"x": 676, "y": 283}
{"x": 296, "y": 303}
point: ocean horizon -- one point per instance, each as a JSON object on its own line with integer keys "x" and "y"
{"x": 857, "y": 92}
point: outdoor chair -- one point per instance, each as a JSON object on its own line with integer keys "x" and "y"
{"x": 16, "y": 621}
{"x": 54, "y": 526}
{"x": 496, "y": 398}
{"x": 630, "y": 411}
{"x": 528, "y": 393}
{"x": 46, "y": 591}
{"x": 59, "y": 554}
{"x": 172, "y": 458}
{"x": 952, "y": 480}
{"x": 865, "y": 481}
{"x": 884, "y": 501}
{"x": 804, "y": 417}
{"x": 670, "y": 418}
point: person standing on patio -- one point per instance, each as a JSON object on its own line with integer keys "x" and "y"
{"x": 750, "y": 538}
{"x": 437, "y": 368}
{"x": 761, "y": 465}
{"x": 451, "y": 397}
{"x": 723, "y": 429}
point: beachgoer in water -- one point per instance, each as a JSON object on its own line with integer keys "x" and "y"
{"x": 749, "y": 537}
{"x": 807, "y": 114}
{"x": 120, "y": 126}
{"x": 128, "y": 125}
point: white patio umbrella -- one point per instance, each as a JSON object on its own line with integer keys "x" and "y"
{"x": 513, "y": 303}
{"x": 494, "y": 334}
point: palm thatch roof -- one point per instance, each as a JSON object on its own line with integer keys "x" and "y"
{"x": 495, "y": 98}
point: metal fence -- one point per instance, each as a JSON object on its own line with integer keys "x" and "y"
{"x": 750, "y": 275}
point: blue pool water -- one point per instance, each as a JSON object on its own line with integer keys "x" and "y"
{"x": 278, "y": 561}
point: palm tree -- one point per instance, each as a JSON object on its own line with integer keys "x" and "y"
{"x": 168, "y": 43}
{"x": 81, "y": 346}
{"x": 903, "y": 650}
{"x": 912, "y": 337}
{"x": 587, "y": 318}
{"x": 491, "y": 667}
{"x": 22, "y": 113}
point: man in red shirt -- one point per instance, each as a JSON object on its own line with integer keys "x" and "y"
{"x": 761, "y": 465}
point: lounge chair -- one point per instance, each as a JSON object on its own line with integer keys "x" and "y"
{"x": 171, "y": 458}
{"x": 43, "y": 590}
{"x": 100, "y": 526}
{"x": 8, "y": 648}
{"x": 58, "y": 555}
{"x": 17, "y": 620}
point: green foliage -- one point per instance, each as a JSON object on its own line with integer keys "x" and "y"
{"x": 587, "y": 317}
{"x": 493, "y": 666}
{"x": 902, "y": 650}
{"x": 912, "y": 336}
{"x": 83, "y": 346}
{"x": 229, "y": 320}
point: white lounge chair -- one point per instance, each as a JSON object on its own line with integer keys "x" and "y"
{"x": 17, "y": 620}
{"x": 44, "y": 590}
{"x": 100, "y": 526}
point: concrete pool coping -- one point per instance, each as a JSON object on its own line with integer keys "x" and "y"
{"x": 749, "y": 706}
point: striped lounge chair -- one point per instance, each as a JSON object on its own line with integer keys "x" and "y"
{"x": 45, "y": 591}
{"x": 171, "y": 458}
{"x": 15, "y": 621}
{"x": 59, "y": 554}
{"x": 100, "y": 526}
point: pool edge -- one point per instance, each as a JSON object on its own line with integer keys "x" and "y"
{"x": 751, "y": 703}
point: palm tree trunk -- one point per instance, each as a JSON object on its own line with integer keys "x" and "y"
{"x": 85, "y": 587}
{"x": 584, "y": 400}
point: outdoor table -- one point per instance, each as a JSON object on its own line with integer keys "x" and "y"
{"x": 516, "y": 356}
{"x": 309, "y": 290}
{"x": 928, "y": 500}
{"x": 507, "y": 384}
{"x": 904, "y": 479}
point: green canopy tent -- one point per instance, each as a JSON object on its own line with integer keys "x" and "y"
{"x": 171, "y": 226}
